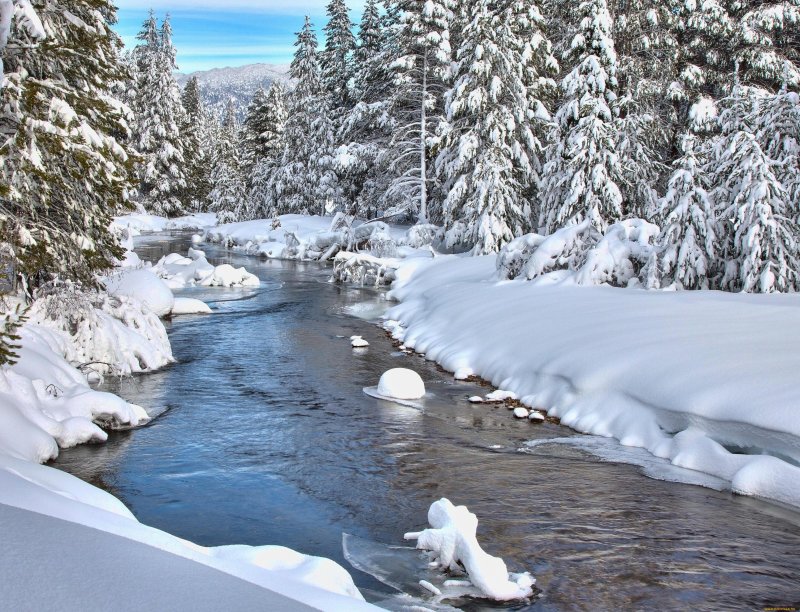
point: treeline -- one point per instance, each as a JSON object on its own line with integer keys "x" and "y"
{"x": 498, "y": 118}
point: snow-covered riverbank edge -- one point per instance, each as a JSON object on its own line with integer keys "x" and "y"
{"x": 46, "y": 404}
{"x": 705, "y": 380}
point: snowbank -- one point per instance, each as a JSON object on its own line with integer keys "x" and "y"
{"x": 138, "y": 223}
{"x": 46, "y": 404}
{"x": 44, "y": 491}
{"x": 706, "y": 380}
{"x": 178, "y": 271}
{"x": 142, "y": 285}
{"x": 365, "y": 252}
{"x": 105, "y": 333}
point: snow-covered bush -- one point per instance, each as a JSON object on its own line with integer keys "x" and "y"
{"x": 423, "y": 234}
{"x": 617, "y": 258}
{"x": 101, "y": 333}
{"x": 363, "y": 269}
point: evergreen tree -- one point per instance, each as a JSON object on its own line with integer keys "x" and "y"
{"x": 296, "y": 183}
{"x": 688, "y": 222}
{"x": 228, "y": 197}
{"x": 368, "y": 69}
{"x": 417, "y": 103}
{"x": 489, "y": 148}
{"x": 581, "y": 174}
{"x": 336, "y": 61}
{"x": 271, "y": 142}
{"x": 195, "y": 137}
{"x": 158, "y": 114}
{"x": 776, "y": 124}
{"x": 760, "y": 235}
{"x": 64, "y": 163}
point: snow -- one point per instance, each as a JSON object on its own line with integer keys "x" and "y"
{"x": 401, "y": 383}
{"x": 178, "y": 271}
{"x": 315, "y": 238}
{"x": 184, "y": 306}
{"x": 452, "y": 538}
{"x": 704, "y": 380}
{"x": 139, "y": 223}
{"x": 143, "y": 285}
{"x": 358, "y": 342}
{"x": 46, "y": 404}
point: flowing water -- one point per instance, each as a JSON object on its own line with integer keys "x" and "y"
{"x": 268, "y": 438}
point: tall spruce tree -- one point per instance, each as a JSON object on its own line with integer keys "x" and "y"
{"x": 158, "y": 114}
{"x": 64, "y": 162}
{"x": 581, "y": 174}
{"x": 688, "y": 224}
{"x": 759, "y": 233}
{"x": 228, "y": 196}
{"x": 417, "y": 102}
{"x": 336, "y": 61}
{"x": 271, "y": 144}
{"x": 195, "y": 137}
{"x": 295, "y": 184}
{"x": 489, "y": 149}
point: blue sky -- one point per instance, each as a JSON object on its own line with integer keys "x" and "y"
{"x": 209, "y": 34}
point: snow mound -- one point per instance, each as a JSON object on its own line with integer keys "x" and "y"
{"x": 46, "y": 404}
{"x": 178, "y": 271}
{"x": 103, "y": 333}
{"x": 285, "y": 562}
{"x": 453, "y": 540}
{"x": 184, "y": 306}
{"x": 401, "y": 383}
{"x": 142, "y": 285}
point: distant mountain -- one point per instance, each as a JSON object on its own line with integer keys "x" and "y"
{"x": 220, "y": 84}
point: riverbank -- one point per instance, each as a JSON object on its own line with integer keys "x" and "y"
{"x": 61, "y": 532}
{"x": 704, "y": 380}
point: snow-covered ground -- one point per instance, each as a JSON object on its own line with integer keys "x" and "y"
{"x": 60, "y": 532}
{"x": 138, "y": 223}
{"x": 705, "y": 380}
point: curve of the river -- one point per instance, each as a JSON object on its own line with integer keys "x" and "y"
{"x": 268, "y": 438}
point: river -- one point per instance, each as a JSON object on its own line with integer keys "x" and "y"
{"x": 267, "y": 438}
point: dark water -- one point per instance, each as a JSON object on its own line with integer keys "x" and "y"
{"x": 270, "y": 439}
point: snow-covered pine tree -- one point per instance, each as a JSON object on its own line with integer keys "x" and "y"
{"x": 417, "y": 104}
{"x": 228, "y": 196}
{"x": 580, "y": 177}
{"x": 759, "y": 234}
{"x": 295, "y": 182}
{"x": 64, "y": 164}
{"x": 336, "y": 61}
{"x": 776, "y": 124}
{"x": 767, "y": 50}
{"x": 368, "y": 70}
{"x": 271, "y": 143}
{"x": 195, "y": 137}
{"x": 158, "y": 114}
{"x": 687, "y": 220}
{"x": 489, "y": 136}
{"x": 364, "y": 130}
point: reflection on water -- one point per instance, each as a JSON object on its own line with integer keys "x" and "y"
{"x": 268, "y": 438}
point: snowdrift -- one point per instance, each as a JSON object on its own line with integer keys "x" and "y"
{"x": 705, "y": 380}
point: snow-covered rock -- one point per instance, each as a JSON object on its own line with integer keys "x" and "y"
{"x": 184, "y": 306}
{"x": 142, "y": 285}
{"x": 358, "y": 342}
{"x": 401, "y": 383}
{"x": 178, "y": 271}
